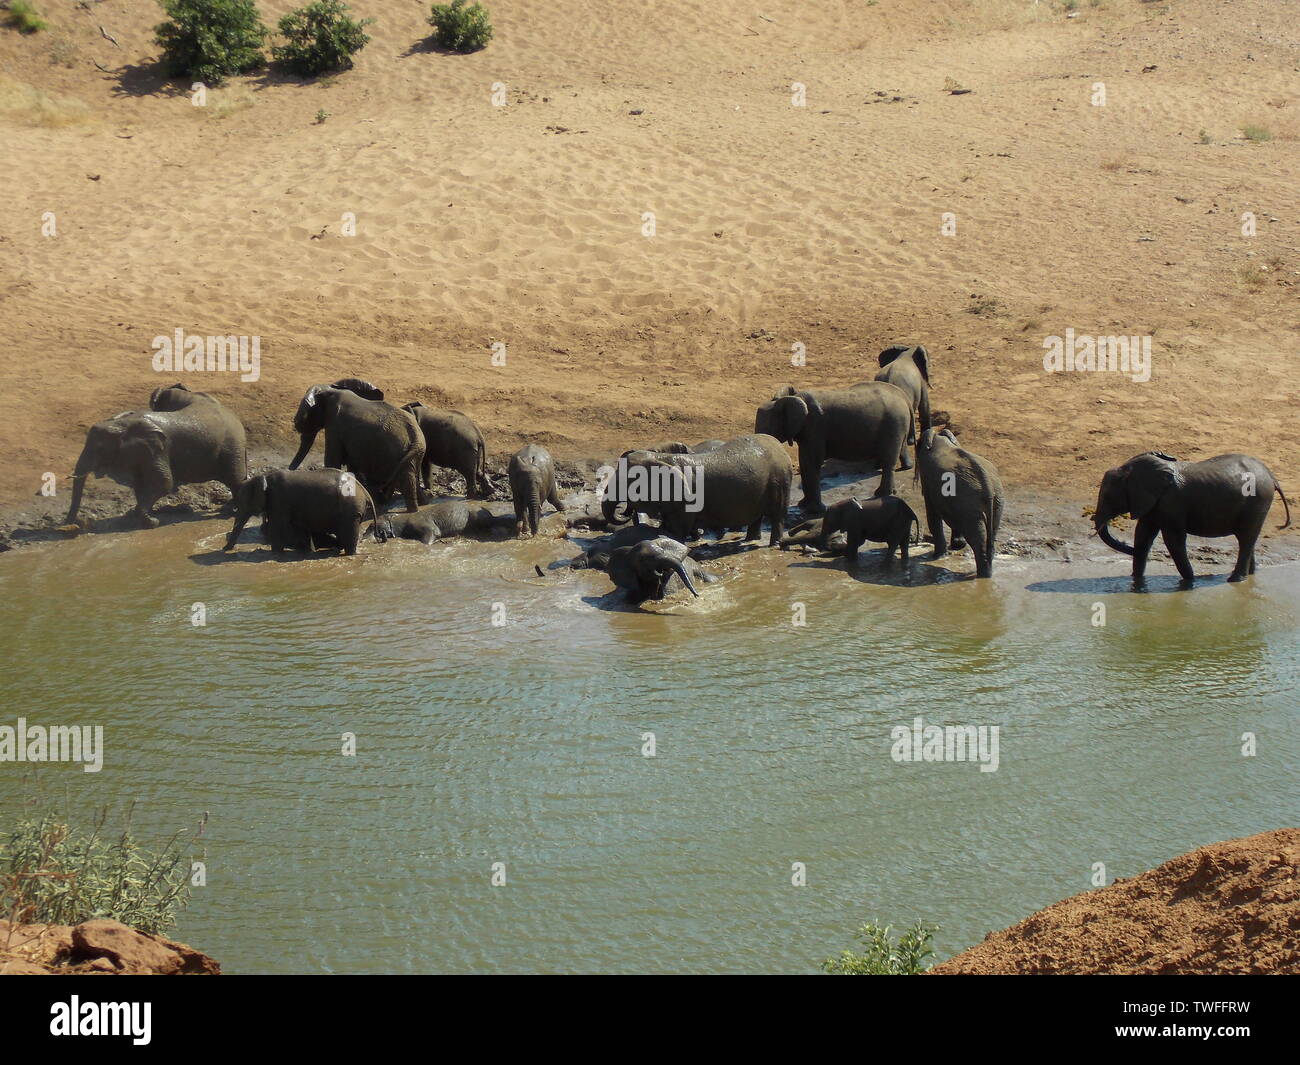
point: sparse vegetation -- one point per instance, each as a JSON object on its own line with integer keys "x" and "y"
{"x": 230, "y": 101}
{"x": 984, "y": 306}
{"x": 321, "y": 116}
{"x": 210, "y": 39}
{"x": 24, "y": 18}
{"x": 34, "y": 107}
{"x": 1253, "y": 277}
{"x": 1256, "y": 134}
{"x": 51, "y": 875}
{"x": 320, "y": 37}
{"x": 881, "y": 956}
{"x": 461, "y": 26}
{"x": 1204, "y": 137}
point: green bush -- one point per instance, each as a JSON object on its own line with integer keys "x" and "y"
{"x": 461, "y": 27}
{"x": 24, "y": 18}
{"x": 48, "y": 875}
{"x": 210, "y": 39}
{"x": 320, "y": 37}
{"x": 882, "y": 956}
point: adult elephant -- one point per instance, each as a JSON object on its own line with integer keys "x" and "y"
{"x": 380, "y": 443}
{"x": 736, "y": 486}
{"x": 962, "y": 491}
{"x": 619, "y": 512}
{"x": 532, "y": 483}
{"x": 304, "y": 510}
{"x": 184, "y": 438}
{"x": 867, "y": 422}
{"x": 644, "y": 570}
{"x": 1228, "y": 495}
{"x": 453, "y": 441}
{"x": 907, "y": 366}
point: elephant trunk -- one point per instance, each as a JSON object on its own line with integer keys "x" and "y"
{"x": 308, "y": 438}
{"x": 1109, "y": 539}
{"x": 680, "y": 569}
{"x": 79, "y": 475}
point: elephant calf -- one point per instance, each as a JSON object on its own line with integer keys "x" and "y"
{"x": 1228, "y": 495}
{"x": 453, "y": 441}
{"x": 908, "y": 367}
{"x": 532, "y": 483}
{"x": 962, "y": 491}
{"x": 886, "y": 519}
{"x": 644, "y": 570}
{"x": 444, "y": 520}
{"x": 303, "y": 510}
{"x": 184, "y": 438}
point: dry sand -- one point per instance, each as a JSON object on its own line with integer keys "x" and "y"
{"x": 776, "y": 224}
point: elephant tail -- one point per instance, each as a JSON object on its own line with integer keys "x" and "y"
{"x": 1285, "y": 505}
{"x": 914, "y": 530}
{"x": 409, "y": 456}
{"x": 375, "y": 524}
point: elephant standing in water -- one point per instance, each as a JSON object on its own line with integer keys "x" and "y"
{"x": 532, "y": 483}
{"x": 887, "y": 519}
{"x": 303, "y": 510}
{"x": 866, "y": 422}
{"x": 908, "y": 367}
{"x": 1228, "y": 495}
{"x": 380, "y": 443}
{"x": 452, "y": 440}
{"x": 184, "y": 438}
{"x": 735, "y": 486}
{"x": 962, "y": 491}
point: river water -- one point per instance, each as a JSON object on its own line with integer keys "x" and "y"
{"x": 523, "y": 743}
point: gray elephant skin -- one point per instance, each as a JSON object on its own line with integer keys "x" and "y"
{"x": 380, "y": 443}
{"x": 963, "y": 492}
{"x": 644, "y": 570}
{"x": 1228, "y": 495}
{"x": 887, "y": 519}
{"x": 867, "y": 422}
{"x": 618, "y": 513}
{"x": 453, "y": 441}
{"x": 444, "y": 520}
{"x": 184, "y": 438}
{"x": 740, "y": 484}
{"x": 907, "y": 366}
{"x": 532, "y": 483}
{"x": 304, "y": 510}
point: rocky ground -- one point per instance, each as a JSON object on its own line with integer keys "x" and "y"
{"x": 96, "y": 947}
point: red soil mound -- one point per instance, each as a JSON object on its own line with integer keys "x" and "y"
{"x": 1230, "y": 907}
{"x": 95, "y": 947}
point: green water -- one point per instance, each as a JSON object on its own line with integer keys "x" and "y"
{"x": 522, "y": 744}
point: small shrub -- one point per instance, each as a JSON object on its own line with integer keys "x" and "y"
{"x": 321, "y": 116}
{"x": 24, "y": 18}
{"x": 882, "y": 956}
{"x": 320, "y": 37}
{"x": 460, "y": 26}
{"x": 1205, "y": 137}
{"x": 210, "y": 39}
{"x": 49, "y": 875}
{"x": 1258, "y": 134}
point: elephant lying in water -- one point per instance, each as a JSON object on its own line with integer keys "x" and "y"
{"x": 645, "y": 570}
{"x": 1228, "y": 495}
{"x": 303, "y": 510}
{"x": 443, "y": 521}
{"x": 184, "y": 438}
{"x": 963, "y": 491}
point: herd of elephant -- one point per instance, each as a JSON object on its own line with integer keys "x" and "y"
{"x": 190, "y": 437}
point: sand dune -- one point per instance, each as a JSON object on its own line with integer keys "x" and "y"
{"x": 775, "y": 224}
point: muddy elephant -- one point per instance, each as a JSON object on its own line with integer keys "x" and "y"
{"x": 1228, "y": 495}
{"x": 644, "y": 570}
{"x": 887, "y": 519}
{"x": 963, "y": 492}
{"x": 378, "y": 442}
{"x": 618, "y": 512}
{"x": 908, "y": 367}
{"x": 597, "y": 555}
{"x": 867, "y": 422}
{"x": 362, "y": 388}
{"x": 444, "y": 520}
{"x": 532, "y": 484}
{"x": 184, "y": 438}
{"x": 738, "y": 485}
{"x": 453, "y": 441}
{"x": 305, "y": 510}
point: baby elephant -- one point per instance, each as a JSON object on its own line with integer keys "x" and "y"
{"x": 444, "y": 520}
{"x": 303, "y": 510}
{"x": 532, "y": 483}
{"x": 963, "y": 491}
{"x": 885, "y": 519}
{"x": 644, "y": 570}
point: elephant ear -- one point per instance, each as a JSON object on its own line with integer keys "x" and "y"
{"x": 922, "y": 359}
{"x": 1149, "y": 477}
{"x": 793, "y": 415}
{"x": 891, "y": 353}
{"x": 147, "y": 434}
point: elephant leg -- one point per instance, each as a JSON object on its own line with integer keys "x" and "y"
{"x": 886, "y": 486}
{"x": 1176, "y": 542}
{"x": 904, "y": 458}
{"x": 777, "y": 521}
{"x": 1143, "y": 537}
{"x": 977, "y": 538}
{"x": 810, "y": 473}
{"x": 754, "y": 531}
{"x": 934, "y": 521}
{"x": 411, "y": 488}
{"x": 335, "y": 458}
{"x": 348, "y": 534}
